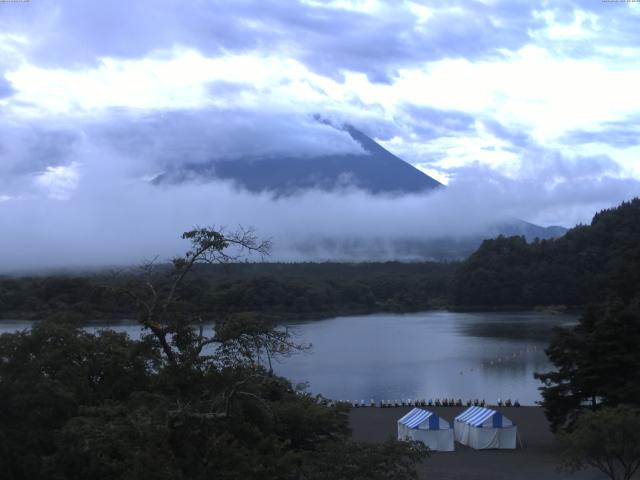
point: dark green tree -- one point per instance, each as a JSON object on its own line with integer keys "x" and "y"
{"x": 597, "y": 363}
{"x": 608, "y": 440}
{"x": 48, "y": 374}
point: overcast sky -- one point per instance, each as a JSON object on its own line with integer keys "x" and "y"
{"x": 526, "y": 108}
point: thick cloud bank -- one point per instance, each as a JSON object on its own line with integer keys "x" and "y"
{"x": 78, "y": 194}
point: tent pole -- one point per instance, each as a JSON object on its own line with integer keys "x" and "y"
{"x": 519, "y": 438}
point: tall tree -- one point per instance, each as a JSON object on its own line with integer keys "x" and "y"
{"x": 158, "y": 296}
{"x": 597, "y": 363}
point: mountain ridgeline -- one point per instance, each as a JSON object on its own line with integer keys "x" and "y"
{"x": 590, "y": 263}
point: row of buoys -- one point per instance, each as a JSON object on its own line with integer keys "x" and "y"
{"x": 504, "y": 358}
{"x": 353, "y": 403}
{"x": 445, "y": 402}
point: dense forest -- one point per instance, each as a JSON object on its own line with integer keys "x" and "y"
{"x": 591, "y": 263}
{"x": 301, "y": 290}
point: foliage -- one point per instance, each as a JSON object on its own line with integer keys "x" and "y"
{"x": 49, "y": 373}
{"x": 588, "y": 264}
{"x": 355, "y": 461}
{"x": 597, "y": 362}
{"x": 608, "y": 440}
{"x": 180, "y": 403}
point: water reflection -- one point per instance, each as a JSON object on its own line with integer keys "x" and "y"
{"x": 512, "y": 326}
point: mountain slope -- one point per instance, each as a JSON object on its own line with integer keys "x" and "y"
{"x": 376, "y": 171}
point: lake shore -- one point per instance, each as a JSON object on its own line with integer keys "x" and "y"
{"x": 288, "y": 316}
{"x": 276, "y": 316}
{"x": 538, "y": 459}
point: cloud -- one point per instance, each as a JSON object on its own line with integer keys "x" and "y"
{"x": 621, "y": 134}
{"x": 95, "y": 208}
{"x": 371, "y": 63}
{"x": 550, "y": 192}
{"x": 171, "y": 138}
{"x": 376, "y": 39}
{"x": 6, "y": 90}
{"x": 525, "y": 108}
{"x": 59, "y": 182}
{"x": 429, "y": 123}
{"x": 27, "y": 149}
{"x": 107, "y": 221}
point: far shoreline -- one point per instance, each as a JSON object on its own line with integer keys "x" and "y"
{"x": 282, "y": 317}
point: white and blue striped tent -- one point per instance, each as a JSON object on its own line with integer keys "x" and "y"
{"x": 482, "y": 428}
{"x": 427, "y": 427}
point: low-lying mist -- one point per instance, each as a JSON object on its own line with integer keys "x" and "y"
{"x": 81, "y": 196}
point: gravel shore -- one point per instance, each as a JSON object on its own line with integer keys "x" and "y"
{"x": 538, "y": 459}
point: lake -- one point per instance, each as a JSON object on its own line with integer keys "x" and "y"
{"x": 412, "y": 356}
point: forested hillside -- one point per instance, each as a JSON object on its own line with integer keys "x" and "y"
{"x": 591, "y": 263}
{"x": 301, "y": 290}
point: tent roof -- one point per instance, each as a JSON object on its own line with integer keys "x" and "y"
{"x": 415, "y": 417}
{"x": 476, "y": 416}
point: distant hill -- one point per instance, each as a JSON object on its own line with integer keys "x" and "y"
{"x": 530, "y": 231}
{"x": 376, "y": 171}
{"x": 590, "y": 263}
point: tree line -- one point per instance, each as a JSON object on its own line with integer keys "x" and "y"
{"x": 283, "y": 290}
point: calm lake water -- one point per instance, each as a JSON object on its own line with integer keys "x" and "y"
{"x": 419, "y": 355}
